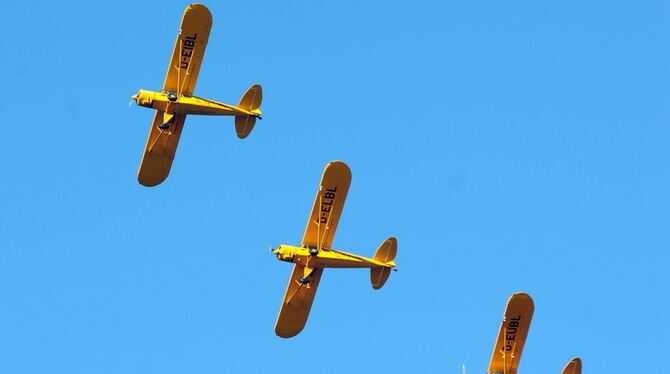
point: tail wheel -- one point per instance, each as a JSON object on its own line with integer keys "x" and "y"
{"x": 303, "y": 280}
{"x": 163, "y": 126}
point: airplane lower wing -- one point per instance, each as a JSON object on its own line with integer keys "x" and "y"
{"x": 512, "y": 335}
{"x": 297, "y": 302}
{"x": 328, "y": 206}
{"x": 160, "y": 150}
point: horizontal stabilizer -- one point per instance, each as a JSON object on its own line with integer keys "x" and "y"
{"x": 378, "y": 277}
{"x": 251, "y": 100}
{"x": 385, "y": 253}
{"x": 387, "y": 250}
{"x": 244, "y": 125}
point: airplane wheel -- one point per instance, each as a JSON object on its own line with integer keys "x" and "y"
{"x": 172, "y": 97}
{"x": 163, "y": 126}
{"x": 313, "y": 251}
{"x": 303, "y": 280}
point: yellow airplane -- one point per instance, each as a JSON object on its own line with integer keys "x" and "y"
{"x": 512, "y": 337}
{"x": 176, "y": 100}
{"x": 315, "y": 253}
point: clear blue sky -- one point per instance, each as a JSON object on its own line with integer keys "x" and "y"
{"x": 510, "y": 146}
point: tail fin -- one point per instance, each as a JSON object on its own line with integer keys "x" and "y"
{"x": 251, "y": 101}
{"x": 385, "y": 253}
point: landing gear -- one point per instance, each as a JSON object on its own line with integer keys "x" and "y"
{"x": 303, "y": 280}
{"x": 313, "y": 251}
{"x": 172, "y": 97}
{"x": 164, "y": 126}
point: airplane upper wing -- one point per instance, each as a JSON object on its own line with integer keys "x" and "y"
{"x": 181, "y": 77}
{"x": 297, "y": 302}
{"x": 189, "y": 49}
{"x": 573, "y": 367}
{"x": 512, "y": 335}
{"x": 328, "y": 205}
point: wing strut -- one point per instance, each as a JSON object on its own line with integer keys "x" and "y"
{"x": 320, "y": 237}
{"x": 180, "y": 82}
{"x": 151, "y": 148}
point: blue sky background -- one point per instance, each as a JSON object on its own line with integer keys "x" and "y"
{"x": 510, "y": 146}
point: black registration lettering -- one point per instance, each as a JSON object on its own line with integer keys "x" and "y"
{"x": 187, "y": 50}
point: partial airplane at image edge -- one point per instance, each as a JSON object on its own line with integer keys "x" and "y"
{"x": 315, "y": 253}
{"x": 176, "y": 99}
{"x": 512, "y": 338}
{"x": 573, "y": 367}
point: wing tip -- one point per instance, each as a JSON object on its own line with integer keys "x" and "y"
{"x": 198, "y": 7}
{"x": 524, "y": 297}
{"x": 340, "y": 165}
{"x": 149, "y": 184}
{"x": 288, "y": 333}
{"x": 150, "y": 181}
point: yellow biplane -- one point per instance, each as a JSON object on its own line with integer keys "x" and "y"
{"x": 176, "y": 100}
{"x": 512, "y": 337}
{"x": 315, "y": 253}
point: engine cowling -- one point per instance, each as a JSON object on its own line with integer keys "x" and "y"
{"x": 284, "y": 254}
{"x": 143, "y": 98}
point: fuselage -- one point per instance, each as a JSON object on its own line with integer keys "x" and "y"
{"x": 171, "y": 103}
{"x": 327, "y": 258}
